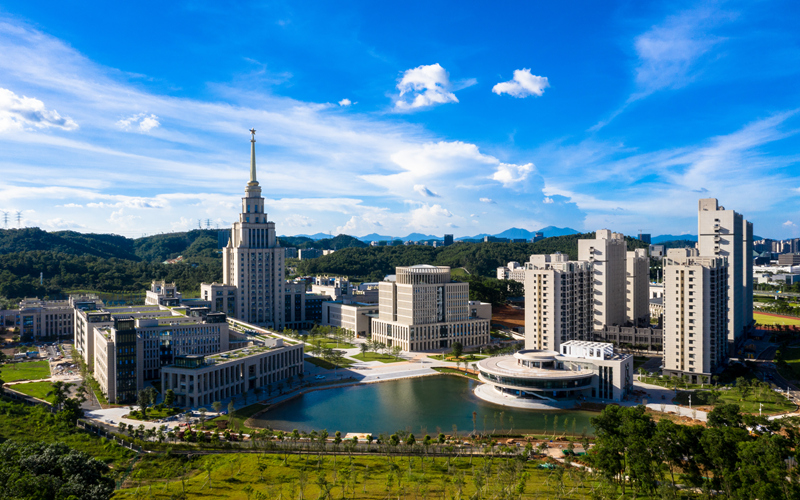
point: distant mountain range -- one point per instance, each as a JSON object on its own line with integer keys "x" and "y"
{"x": 511, "y": 233}
{"x": 672, "y": 237}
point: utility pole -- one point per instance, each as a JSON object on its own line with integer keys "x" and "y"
{"x": 199, "y": 224}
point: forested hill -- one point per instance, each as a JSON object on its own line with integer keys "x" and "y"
{"x": 483, "y": 259}
{"x": 200, "y": 243}
{"x": 102, "y": 262}
{"x": 335, "y": 243}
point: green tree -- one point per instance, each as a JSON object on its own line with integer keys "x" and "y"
{"x": 457, "y": 348}
{"x": 169, "y": 397}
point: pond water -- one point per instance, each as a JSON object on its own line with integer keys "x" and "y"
{"x": 425, "y": 405}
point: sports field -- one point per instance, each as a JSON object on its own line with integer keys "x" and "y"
{"x": 769, "y": 319}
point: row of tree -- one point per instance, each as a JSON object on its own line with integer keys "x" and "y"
{"x": 736, "y": 456}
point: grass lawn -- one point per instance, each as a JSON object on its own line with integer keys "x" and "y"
{"x": 326, "y": 364}
{"x": 763, "y": 319}
{"x": 154, "y": 414}
{"x": 28, "y": 370}
{"x": 239, "y": 416}
{"x": 95, "y": 388}
{"x": 35, "y": 424}
{"x": 246, "y": 476}
{"x": 458, "y": 272}
{"x": 331, "y": 344}
{"x": 669, "y": 383}
{"x": 792, "y": 357}
{"x": 456, "y": 372}
{"x": 373, "y": 356}
{"x": 776, "y": 404}
{"x": 36, "y": 389}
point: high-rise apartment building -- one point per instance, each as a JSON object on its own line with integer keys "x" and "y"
{"x": 558, "y": 301}
{"x": 607, "y": 254}
{"x": 637, "y": 281}
{"x": 253, "y": 263}
{"x": 423, "y": 310}
{"x": 725, "y": 233}
{"x": 696, "y": 314}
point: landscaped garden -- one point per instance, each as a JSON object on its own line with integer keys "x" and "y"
{"x": 26, "y": 370}
{"x": 375, "y": 356}
{"x": 38, "y": 390}
{"x": 749, "y": 395}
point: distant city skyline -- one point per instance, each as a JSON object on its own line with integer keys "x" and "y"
{"x": 435, "y": 118}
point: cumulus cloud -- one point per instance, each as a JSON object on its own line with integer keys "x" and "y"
{"x": 523, "y": 84}
{"x": 141, "y": 121}
{"x": 548, "y": 200}
{"x": 59, "y": 223}
{"x": 509, "y": 174}
{"x": 426, "y": 86}
{"x": 424, "y": 191}
{"x": 345, "y": 102}
{"x": 70, "y": 205}
{"x": 485, "y": 200}
{"x": 789, "y": 223}
{"x": 297, "y": 220}
{"x": 19, "y": 113}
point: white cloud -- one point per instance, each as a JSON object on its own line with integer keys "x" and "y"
{"x": 548, "y": 200}
{"x": 509, "y": 174}
{"x": 523, "y": 84}
{"x": 19, "y": 113}
{"x": 142, "y": 121}
{"x": 118, "y": 219}
{"x": 424, "y": 191}
{"x": 59, "y": 223}
{"x": 485, "y": 200}
{"x": 297, "y": 220}
{"x": 345, "y": 102}
{"x": 71, "y": 205}
{"x": 427, "y": 85}
{"x": 668, "y": 52}
{"x": 789, "y": 224}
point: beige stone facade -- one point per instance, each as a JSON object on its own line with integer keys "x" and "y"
{"x": 696, "y": 314}
{"x": 424, "y": 310}
{"x": 558, "y": 301}
{"x": 353, "y": 317}
{"x": 725, "y": 233}
{"x": 607, "y": 254}
{"x": 637, "y": 282}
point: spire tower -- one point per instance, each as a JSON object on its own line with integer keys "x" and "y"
{"x": 253, "y": 156}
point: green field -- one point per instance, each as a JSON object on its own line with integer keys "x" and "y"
{"x": 239, "y": 417}
{"x": 28, "y": 370}
{"x": 332, "y": 344}
{"x": 458, "y": 272}
{"x": 250, "y": 477}
{"x": 36, "y": 389}
{"x": 771, "y": 401}
{"x": 373, "y": 356}
{"x": 326, "y": 364}
{"x": 763, "y": 319}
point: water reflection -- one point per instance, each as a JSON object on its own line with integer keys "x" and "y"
{"x": 421, "y": 405}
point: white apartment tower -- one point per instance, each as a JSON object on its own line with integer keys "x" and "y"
{"x": 253, "y": 262}
{"x": 607, "y": 253}
{"x": 637, "y": 296}
{"x": 558, "y": 301}
{"x": 696, "y": 314}
{"x": 424, "y": 310}
{"x": 725, "y": 233}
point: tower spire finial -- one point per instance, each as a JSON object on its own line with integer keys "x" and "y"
{"x": 253, "y": 155}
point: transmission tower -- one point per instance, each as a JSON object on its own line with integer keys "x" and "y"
{"x": 5, "y": 220}
{"x": 199, "y": 224}
{"x": 208, "y": 223}
{"x": 19, "y": 218}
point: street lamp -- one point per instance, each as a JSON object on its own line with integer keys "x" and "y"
{"x": 690, "y": 401}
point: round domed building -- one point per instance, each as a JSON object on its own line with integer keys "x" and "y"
{"x": 542, "y": 379}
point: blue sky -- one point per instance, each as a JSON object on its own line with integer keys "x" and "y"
{"x": 432, "y": 117}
